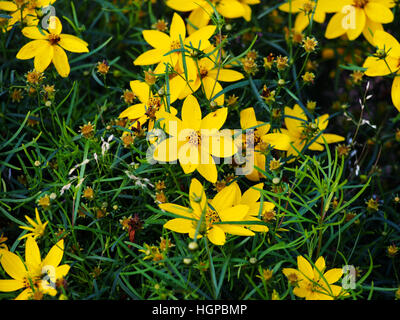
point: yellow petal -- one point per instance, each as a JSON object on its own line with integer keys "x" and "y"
{"x": 177, "y": 31}
{"x": 12, "y": 265}
{"x": 230, "y": 9}
{"x": 277, "y": 141}
{"x": 32, "y": 255}
{"x": 329, "y": 138}
{"x": 211, "y": 89}
{"x": 252, "y": 195}
{"x": 182, "y": 5}
{"x": 396, "y": 92}
{"x": 248, "y": 119}
{"x": 333, "y": 275}
{"x": 197, "y": 196}
{"x": 378, "y": 12}
{"x": 319, "y": 266}
{"x": 180, "y": 225}
{"x": 225, "y": 75}
{"x": 220, "y": 145}
{"x": 305, "y": 267}
{"x": 191, "y": 113}
{"x": 199, "y": 39}
{"x": 133, "y": 112}
{"x": 25, "y": 295}
{"x": 225, "y": 198}
{"x": 335, "y": 26}
{"x": 301, "y": 22}
{"x": 43, "y": 57}
{"x": 208, "y": 170}
{"x": 198, "y": 18}
{"x": 360, "y": 20}
{"x": 380, "y": 67}
{"x": 216, "y": 235}
{"x": 385, "y": 41}
{"x": 35, "y": 33}
{"x": 55, "y": 254}
{"x": 152, "y": 56}
{"x": 157, "y": 39}
{"x": 176, "y": 209}
{"x": 141, "y": 90}
{"x": 295, "y": 119}
{"x": 215, "y": 120}
{"x": 62, "y": 271}
{"x": 72, "y": 43}
{"x": 55, "y": 25}
{"x": 11, "y": 285}
{"x": 60, "y": 61}
{"x": 8, "y": 6}
{"x": 31, "y": 49}
{"x": 293, "y": 6}
{"x": 236, "y": 213}
{"x": 236, "y": 230}
{"x": 167, "y": 150}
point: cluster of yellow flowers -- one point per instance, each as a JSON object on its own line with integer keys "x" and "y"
{"x": 352, "y": 18}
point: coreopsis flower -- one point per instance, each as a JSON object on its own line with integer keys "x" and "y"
{"x": 353, "y": 17}
{"x": 260, "y": 141}
{"x": 34, "y": 275}
{"x": 37, "y": 228}
{"x": 25, "y": 9}
{"x": 201, "y": 10}
{"x": 314, "y": 283}
{"x": 150, "y": 108}
{"x": 303, "y": 133}
{"x": 385, "y": 61}
{"x": 163, "y": 44}
{"x": 306, "y": 10}
{"x": 48, "y": 47}
{"x": 209, "y": 76}
{"x": 204, "y": 216}
{"x": 195, "y": 140}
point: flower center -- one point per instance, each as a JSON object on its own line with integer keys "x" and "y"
{"x": 203, "y": 71}
{"x": 153, "y": 105}
{"x": 360, "y": 3}
{"x": 194, "y": 138}
{"x": 175, "y": 45}
{"x": 310, "y": 131}
{"x": 54, "y": 39}
{"x": 308, "y": 7}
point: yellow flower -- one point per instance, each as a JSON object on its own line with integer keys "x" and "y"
{"x": 35, "y": 274}
{"x": 305, "y": 9}
{"x": 194, "y": 141}
{"x": 385, "y": 62}
{"x": 201, "y": 10}
{"x": 163, "y": 44}
{"x": 28, "y": 7}
{"x": 353, "y": 17}
{"x": 206, "y": 215}
{"x": 37, "y": 229}
{"x": 48, "y": 47}
{"x": 150, "y": 108}
{"x": 261, "y": 141}
{"x": 302, "y": 132}
{"x": 209, "y": 76}
{"x": 314, "y": 283}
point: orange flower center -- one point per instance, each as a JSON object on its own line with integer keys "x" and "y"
{"x": 54, "y": 39}
{"x": 175, "y": 45}
{"x": 360, "y": 3}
